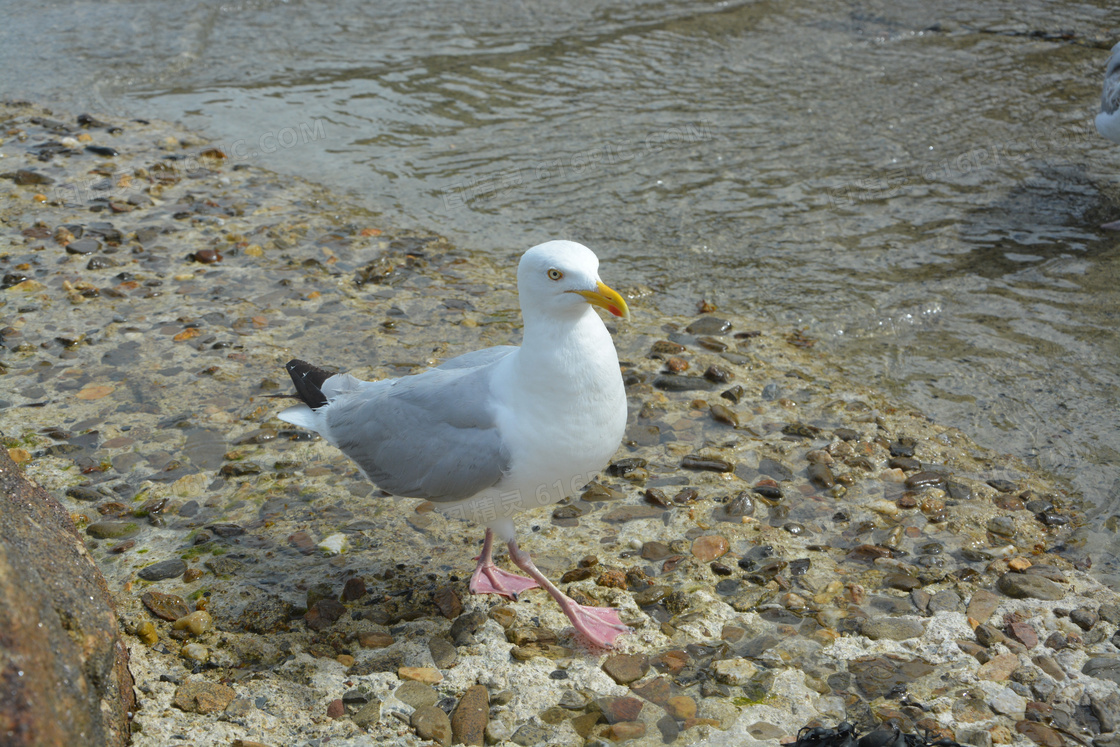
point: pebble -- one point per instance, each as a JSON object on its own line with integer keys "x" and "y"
{"x": 201, "y": 696}
{"x": 164, "y": 569}
{"x": 892, "y": 628}
{"x": 626, "y": 668}
{"x": 998, "y": 668}
{"x": 112, "y": 529}
{"x": 444, "y": 655}
{"x": 709, "y": 325}
{"x": 168, "y": 607}
{"x": 368, "y": 715}
{"x": 416, "y": 694}
{"x": 83, "y": 246}
{"x": 709, "y": 547}
{"x": 1039, "y": 734}
{"x": 675, "y": 383}
{"x": 471, "y": 716}
{"x": 1104, "y": 668}
{"x": 1084, "y": 618}
{"x": 427, "y": 675}
{"x": 1026, "y": 585}
{"x": 531, "y": 735}
{"x": 198, "y": 623}
{"x": 617, "y": 709}
{"x": 336, "y": 709}
{"x": 710, "y": 464}
{"x": 375, "y": 639}
{"x": 722, "y": 414}
{"x": 821, "y": 476}
{"x": 195, "y": 652}
{"x": 735, "y": 671}
{"x": 631, "y": 513}
{"x": 981, "y": 606}
{"x": 432, "y": 723}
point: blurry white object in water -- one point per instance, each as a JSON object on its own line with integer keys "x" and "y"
{"x": 1108, "y": 121}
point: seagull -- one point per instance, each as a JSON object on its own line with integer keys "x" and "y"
{"x": 1108, "y": 121}
{"x": 499, "y": 430}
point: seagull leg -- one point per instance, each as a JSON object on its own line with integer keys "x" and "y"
{"x": 490, "y": 579}
{"x": 601, "y": 625}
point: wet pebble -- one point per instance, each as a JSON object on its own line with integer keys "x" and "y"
{"x": 709, "y": 325}
{"x": 432, "y": 723}
{"x": 674, "y": 383}
{"x": 1023, "y": 586}
{"x": 821, "y": 476}
{"x": 471, "y": 716}
{"x": 1003, "y": 486}
{"x": 202, "y": 696}
{"x": 416, "y": 694}
{"x": 709, "y": 547}
{"x": 626, "y": 668}
{"x": 172, "y": 568}
{"x": 198, "y": 623}
{"x": 1084, "y": 618}
{"x": 112, "y": 529}
{"x": 710, "y": 464}
{"x": 723, "y": 414}
{"x": 168, "y": 607}
{"x": 83, "y": 246}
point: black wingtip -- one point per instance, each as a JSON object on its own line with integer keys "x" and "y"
{"x": 309, "y": 382}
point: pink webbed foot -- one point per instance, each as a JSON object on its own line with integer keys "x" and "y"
{"x": 600, "y": 625}
{"x": 490, "y": 579}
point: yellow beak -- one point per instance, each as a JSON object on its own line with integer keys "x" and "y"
{"x": 607, "y": 298}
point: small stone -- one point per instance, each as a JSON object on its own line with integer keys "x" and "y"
{"x": 1049, "y": 665}
{"x": 336, "y": 709}
{"x": 191, "y": 574}
{"x": 531, "y": 735}
{"x": 147, "y": 633}
{"x": 892, "y": 628}
{"x": 1084, "y": 618}
{"x": 981, "y": 606}
{"x": 709, "y": 547}
{"x": 112, "y": 529}
{"x": 427, "y": 675}
{"x": 168, "y": 607}
{"x": 625, "y": 731}
{"x": 448, "y": 602}
{"x": 1039, "y": 734}
{"x": 709, "y": 464}
{"x": 323, "y": 614}
{"x": 368, "y": 715}
{"x": 195, "y": 652}
{"x": 722, "y": 414}
{"x": 617, "y": 709}
{"x": 1103, "y": 668}
{"x": 201, "y": 696}
{"x": 1024, "y": 633}
{"x": 821, "y": 476}
{"x": 374, "y": 639}
{"x": 83, "y": 246}
{"x": 925, "y": 480}
{"x": 999, "y": 668}
{"x": 632, "y": 513}
{"x": 470, "y": 717}
{"x": 681, "y": 707}
{"x": 709, "y": 325}
{"x": 197, "y": 623}
{"x": 671, "y": 662}
{"x": 654, "y": 550}
{"x": 1027, "y": 585}
{"x": 626, "y": 668}
{"x": 444, "y": 655}
{"x": 164, "y": 569}
{"x": 735, "y": 671}
{"x": 354, "y": 589}
{"x": 416, "y": 694}
{"x": 1007, "y": 702}
{"x": 432, "y": 723}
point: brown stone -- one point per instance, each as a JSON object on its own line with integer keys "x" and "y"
{"x": 427, "y": 675}
{"x": 709, "y": 547}
{"x": 72, "y": 685}
{"x": 1024, "y": 633}
{"x": 681, "y": 707}
{"x": 1039, "y": 734}
{"x": 202, "y": 696}
{"x": 469, "y": 719}
{"x": 999, "y": 668}
{"x": 671, "y": 662}
{"x": 448, "y": 602}
{"x": 655, "y": 690}
{"x": 336, "y": 708}
{"x": 374, "y": 639}
{"x": 617, "y": 709}
{"x": 626, "y": 668}
{"x": 612, "y": 579}
{"x": 585, "y": 723}
{"x": 354, "y": 589}
{"x": 432, "y": 723}
{"x": 626, "y": 730}
{"x": 170, "y": 607}
{"x": 981, "y": 606}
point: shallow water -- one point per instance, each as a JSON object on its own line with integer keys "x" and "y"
{"x": 918, "y": 188}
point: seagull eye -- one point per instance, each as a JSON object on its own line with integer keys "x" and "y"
{"x": 555, "y": 274}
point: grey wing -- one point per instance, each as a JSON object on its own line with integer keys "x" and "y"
{"x": 477, "y": 358}
{"x": 431, "y": 435}
{"x": 1110, "y": 96}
